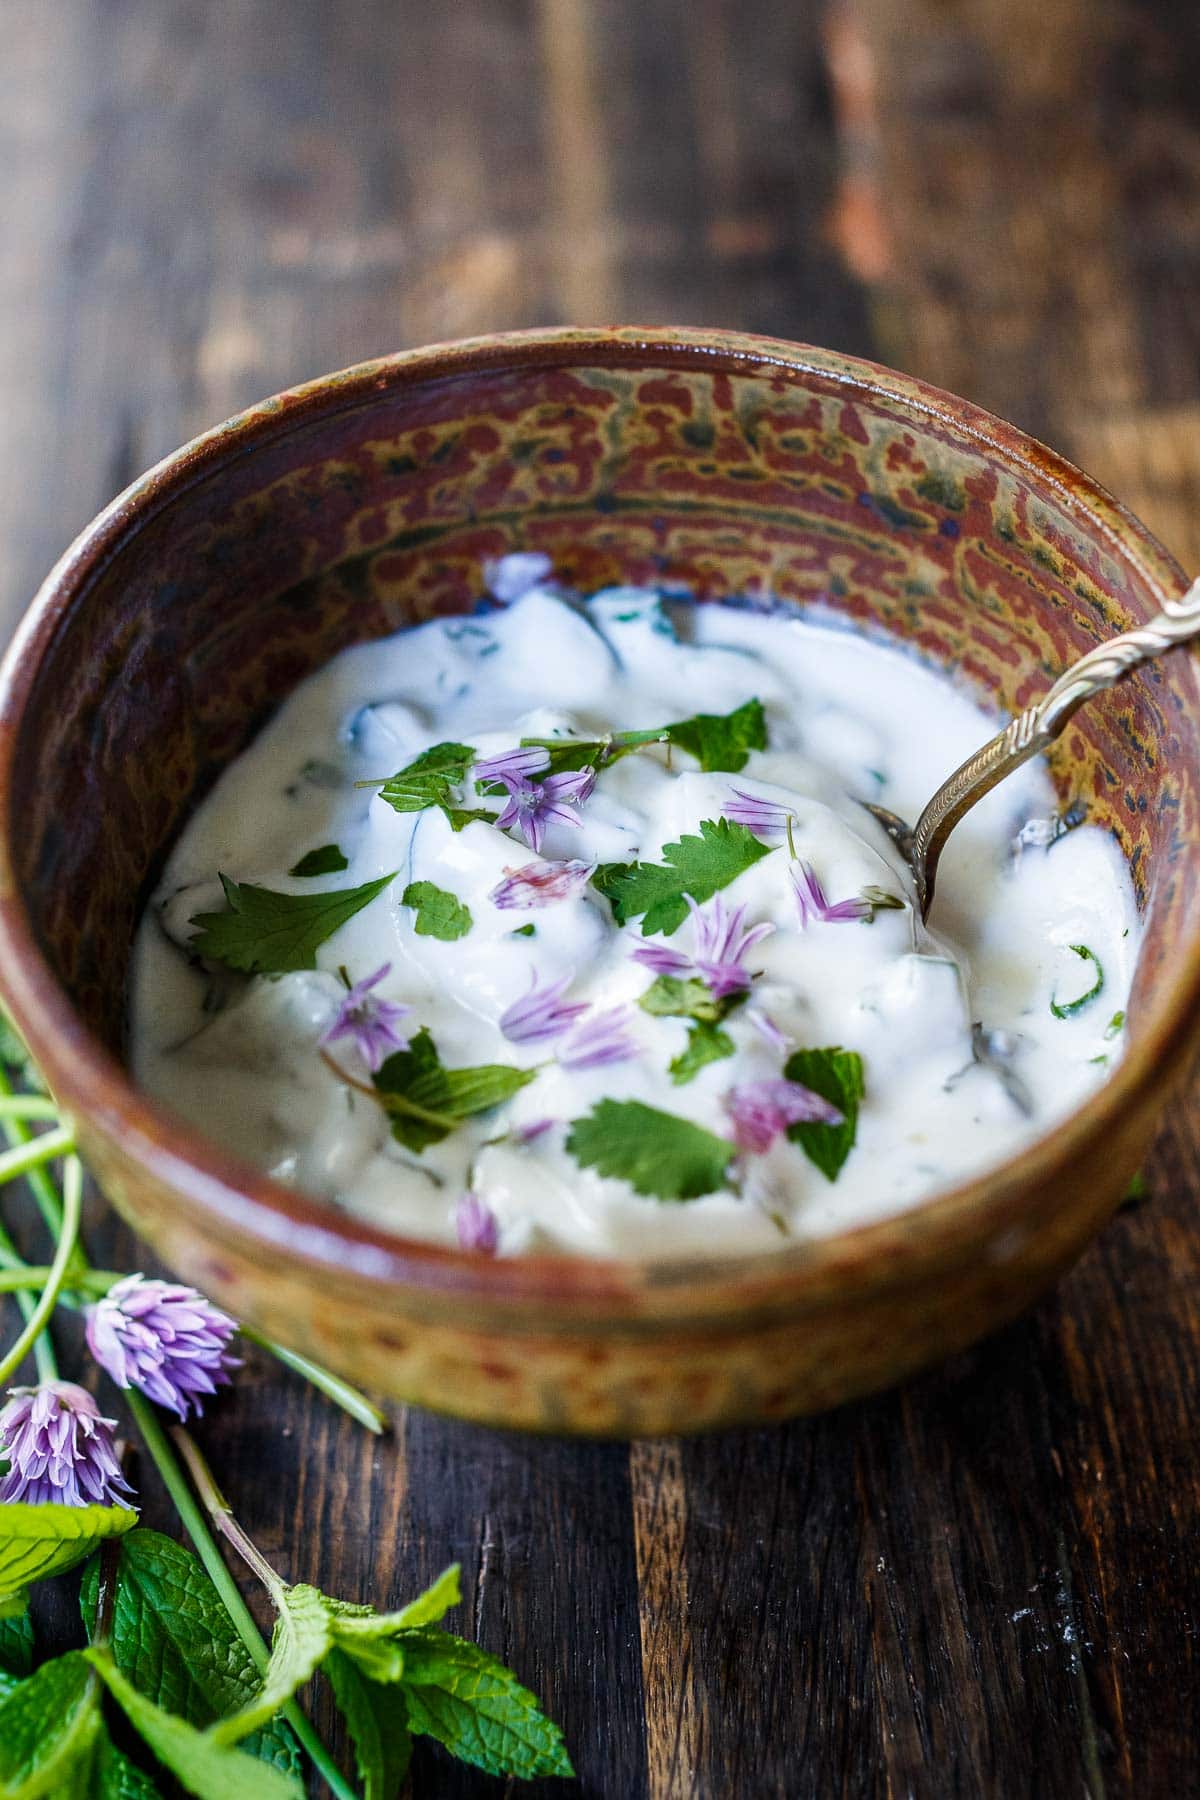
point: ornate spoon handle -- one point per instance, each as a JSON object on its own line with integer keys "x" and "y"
{"x": 1040, "y": 724}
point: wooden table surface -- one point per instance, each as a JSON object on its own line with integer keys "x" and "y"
{"x": 987, "y": 1583}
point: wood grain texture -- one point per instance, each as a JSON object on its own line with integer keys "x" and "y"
{"x": 983, "y": 1584}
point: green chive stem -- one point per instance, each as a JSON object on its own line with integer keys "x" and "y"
{"x": 34, "y": 1325}
{"x": 332, "y": 1386}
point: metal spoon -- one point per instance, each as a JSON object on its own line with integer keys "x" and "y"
{"x": 922, "y": 844}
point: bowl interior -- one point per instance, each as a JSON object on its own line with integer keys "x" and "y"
{"x": 728, "y": 466}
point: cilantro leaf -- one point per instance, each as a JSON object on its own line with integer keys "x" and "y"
{"x": 1063, "y": 1009}
{"x": 173, "y": 1639}
{"x": 477, "y": 1708}
{"x": 426, "y": 1101}
{"x": 269, "y": 933}
{"x": 440, "y": 914}
{"x": 37, "y": 1541}
{"x": 328, "y": 860}
{"x": 837, "y": 1075}
{"x": 430, "y": 779}
{"x": 204, "y": 1767}
{"x": 722, "y": 740}
{"x": 48, "y": 1729}
{"x": 698, "y": 866}
{"x": 657, "y": 1153}
{"x": 303, "y": 1635}
{"x": 706, "y": 1044}
{"x": 377, "y": 1722}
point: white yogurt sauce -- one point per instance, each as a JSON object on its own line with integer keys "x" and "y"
{"x": 845, "y": 719}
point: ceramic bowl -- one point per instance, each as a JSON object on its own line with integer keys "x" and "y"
{"x": 366, "y": 501}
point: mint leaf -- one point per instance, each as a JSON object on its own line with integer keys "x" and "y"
{"x": 328, "y": 860}
{"x": 722, "y": 740}
{"x": 439, "y": 914}
{"x": 426, "y": 1101}
{"x": 303, "y": 1634}
{"x": 430, "y": 779}
{"x": 671, "y": 997}
{"x": 478, "y": 1709}
{"x": 269, "y": 933}
{"x": 657, "y": 1153}
{"x": 698, "y": 866}
{"x": 524, "y": 931}
{"x": 706, "y": 1044}
{"x": 174, "y": 1640}
{"x": 837, "y": 1075}
{"x": 435, "y": 1602}
{"x": 204, "y": 1767}
{"x": 43, "y": 1540}
{"x": 377, "y": 1722}
{"x": 16, "y": 1646}
{"x": 1064, "y": 1009}
{"x": 114, "y": 1777}
{"x": 48, "y": 1730}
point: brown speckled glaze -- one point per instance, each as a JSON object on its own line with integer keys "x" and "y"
{"x": 732, "y": 466}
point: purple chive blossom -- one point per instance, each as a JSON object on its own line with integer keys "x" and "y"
{"x": 528, "y": 1134}
{"x": 167, "y": 1341}
{"x": 760, "y": 1110}
{"x": 515, "y": 765}
{"x": 810, "y": 897}
{"x": 600, "y": 1040}
{"x": 764, "y": 817}
{"x": 532, "y": 806}
{"x": 720, "y": 944}
{"x": 541, "y": 1013}
{"x": 476, "y": 1225}
{"x": 768, "y": 1030}
{"x": 370, "y": 1022}
{"x": 59, "y": 1447}
{"x": 662, "y": 959}
{"x": 539, "y": 883}
{"x": 508, "y": 577}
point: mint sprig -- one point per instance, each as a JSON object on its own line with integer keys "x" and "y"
{"x": 171, "y": 1636}
{"x": 696, "y": 866}
{"x": 426, "y": 1100}
{"x": 440, "y": 914}
{"x": 265, "y": 932}
{"x": 659, "y": 1154}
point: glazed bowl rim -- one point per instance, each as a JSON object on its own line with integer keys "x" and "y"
{"x": 231, "y": 1197}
